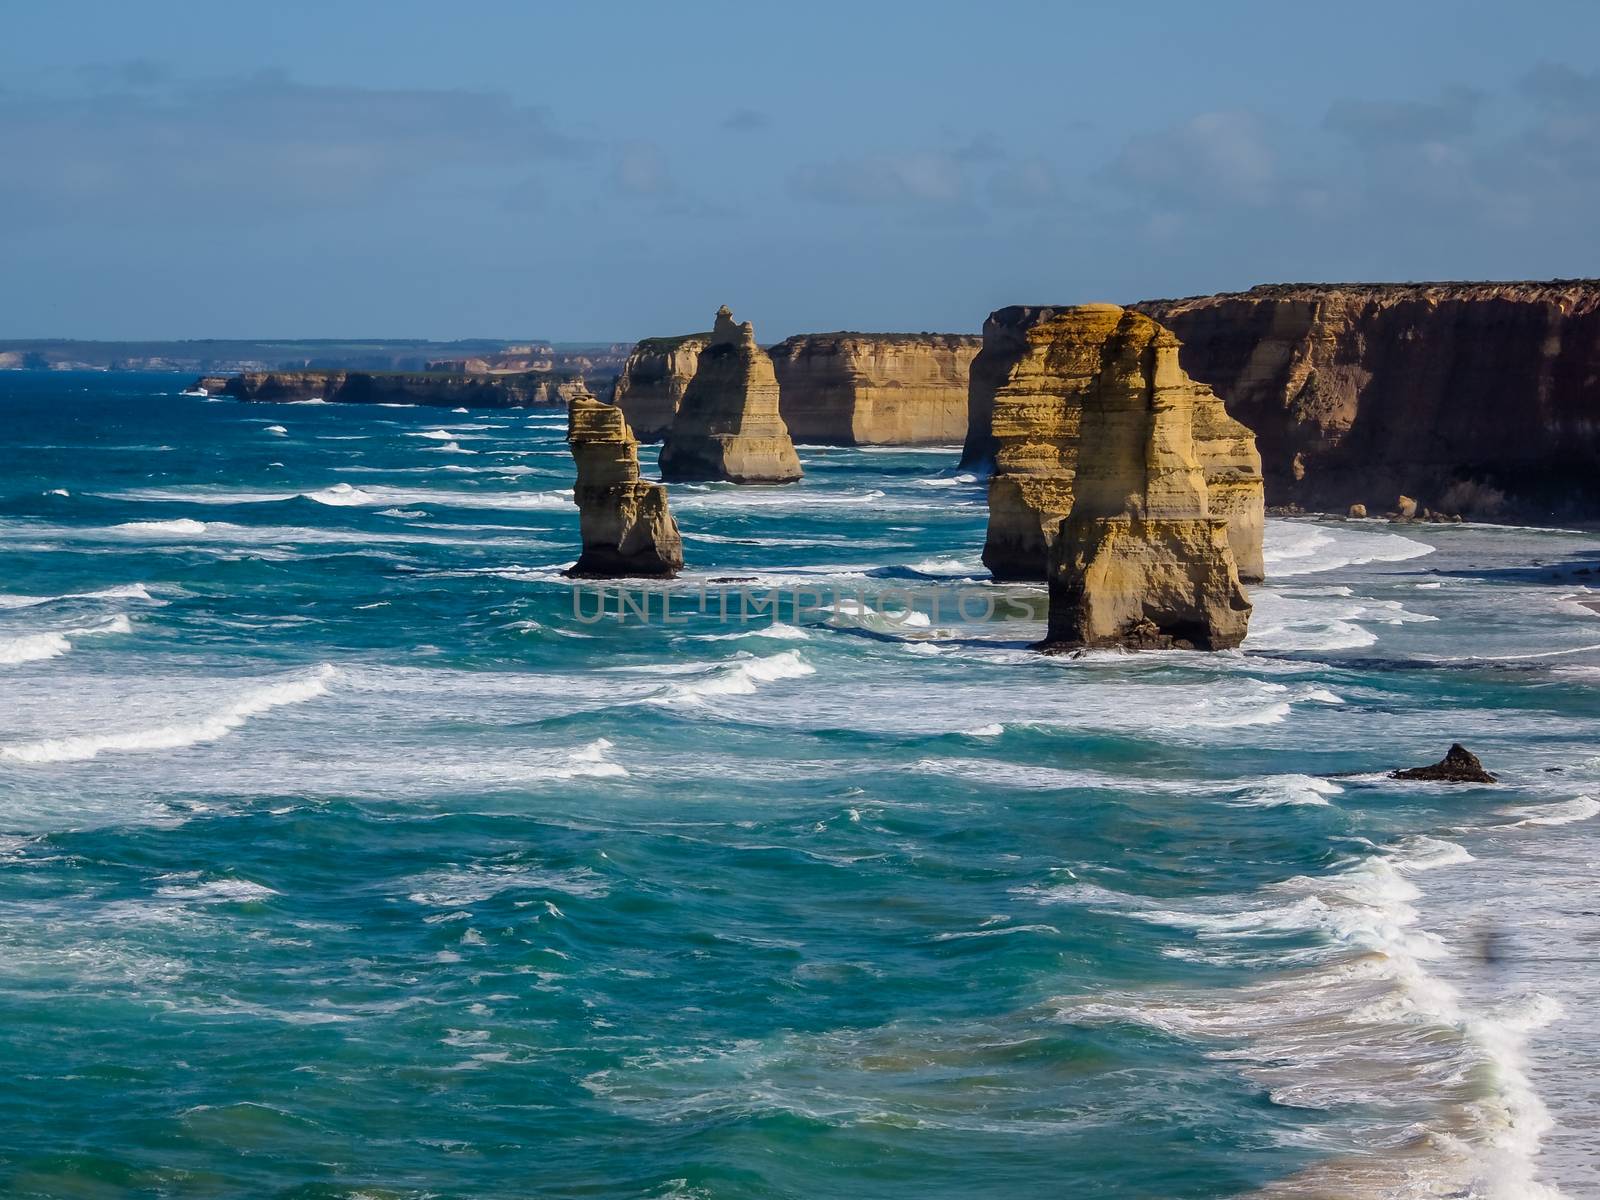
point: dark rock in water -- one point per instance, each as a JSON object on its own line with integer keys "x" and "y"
{"x": 1460, "y": 765}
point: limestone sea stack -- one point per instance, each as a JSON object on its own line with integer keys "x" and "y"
{"x": 863, "y": 389}
{"x": 1026, "y": 396}
{"x": 728, "y": 426}
{"x": 1141, "y": 561}
{"x": 625, "y": 523}
{"x": 653, "y": 381}
{"x": 1474, "y": 398}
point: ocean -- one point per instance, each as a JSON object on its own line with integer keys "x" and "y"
{"x": 342, "y": 855}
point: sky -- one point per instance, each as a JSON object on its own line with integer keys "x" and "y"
{"x": 609, "y": 171}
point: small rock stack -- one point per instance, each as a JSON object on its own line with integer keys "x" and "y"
{"x": 626, "y": 526}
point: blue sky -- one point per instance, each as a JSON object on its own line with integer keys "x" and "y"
{"x": 600, "y": 171}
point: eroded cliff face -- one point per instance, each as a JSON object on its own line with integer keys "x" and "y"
{"x": 653, "y": 381}
{"x": 1141, "y": 560}
{"x": 362, "y": 387}
{"x": 1027, "y": 391}
{"x": 1477, "y": 398}
{"x": 875, "y": 388}
{"x": 626, "y": 526}
{"x": 728, "y": 426}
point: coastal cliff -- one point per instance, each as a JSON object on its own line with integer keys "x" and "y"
{"x": 1141, "y": 561}
{"x": 728, "y": 426}
{"x": 653, "y": 381}
{"x": 1474, "y": 398}
{"x": 875, "y": 388}
{"x": 1028, "y": 387}
{"x": 625, "y": 524}
{"x": 439, "y": 389}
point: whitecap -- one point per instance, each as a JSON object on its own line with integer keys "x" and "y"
{"x": 36, "y": 647}
{"x": 1301, "y": 548}
{"x": 175, "y": 736}
{"x": 1565, "y": 812}
{"x": 739, "y": 677}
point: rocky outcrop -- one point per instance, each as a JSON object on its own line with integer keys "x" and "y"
{"x": 1141, "y": 560}
{"x": 1474, "y": 398}
{"x": 847, "y": 389}
{"x": 1459, "y": 765}
{"x": 382, "y": 387}
{"x": 728, "y": 425}
{"x": 653, "y": 381}
{"x": 626, "y": 526}
{"x": 1026, "y": 402}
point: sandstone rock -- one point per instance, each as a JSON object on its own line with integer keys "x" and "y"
{"x": 1459, "y": 765}
{"x": 1025, "y": 402}
{"x": 1141, "y": 560}
{"x": 1357, "y": 512}
{"x": 1478, "y": 398}
{"x": 728, "y": 425}
{"x": 626, "y": 526}
{"x": 653, "y": 381}
{"x": 1405, "y": 508}
{"x": 434, "y": 389}
{"x": 874, "y": 388}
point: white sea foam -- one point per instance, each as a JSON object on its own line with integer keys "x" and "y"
{"x": 1361, "y": 1021}
{"x": 452, "y": 448}
{"x": 344, "y": 495}
{"x": 1301, "y": 548}
{"x": 1319, "y": 620}
{"x": 122, "y": 591}
{"x": 35, "y": 647}
{"x": 218, "y": 891}
{"x": 1291, "y": 790}
{"x": 741, "y": 676}
{"x": 1565, "y": 812}
{"x": 473, "y": 885}
{"x": 215, "y": 724}
{"x": 777, "y": 630}
{"x": 181, "y": 527}
{"x": 277, "y": 429}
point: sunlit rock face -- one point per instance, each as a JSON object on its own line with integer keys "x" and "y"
{"x": 1026, "y": 402}
{"x": 1475, "y": 398}
{"x": 653, "y": 381}
{"x": 860, "y": 389}
{"x": 728, "y": 426}
{"x": 626, "y": 526}
{"x": 1141, "y": 560}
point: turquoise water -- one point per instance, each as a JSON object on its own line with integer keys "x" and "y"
{"x": 338, "y": 858}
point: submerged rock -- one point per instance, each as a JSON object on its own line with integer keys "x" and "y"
{"x": 626, "y": 526}
{"x": 1459, "y": 765}
{"x": 1142, "y": 560}
{"x": 653, "y": 381}
{"x": 1025, "y": 406}
{"x": 850, "y": 389}
{"x": 728, "y": 426}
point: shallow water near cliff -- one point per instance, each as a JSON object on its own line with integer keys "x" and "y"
{"x": 339, "y": 858}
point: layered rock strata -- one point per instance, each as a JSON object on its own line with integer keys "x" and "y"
{"x": 626, "y": 526}
{"x": 438, "y": 389}
{"x": 851, "y": 389}
{"x": 728, "y": 426}
{"x": 653, "y": 381}
{"x": 1141, "y": 560}
{"x": 1026, "y": 401}
{"x": 1474, "y": 398}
